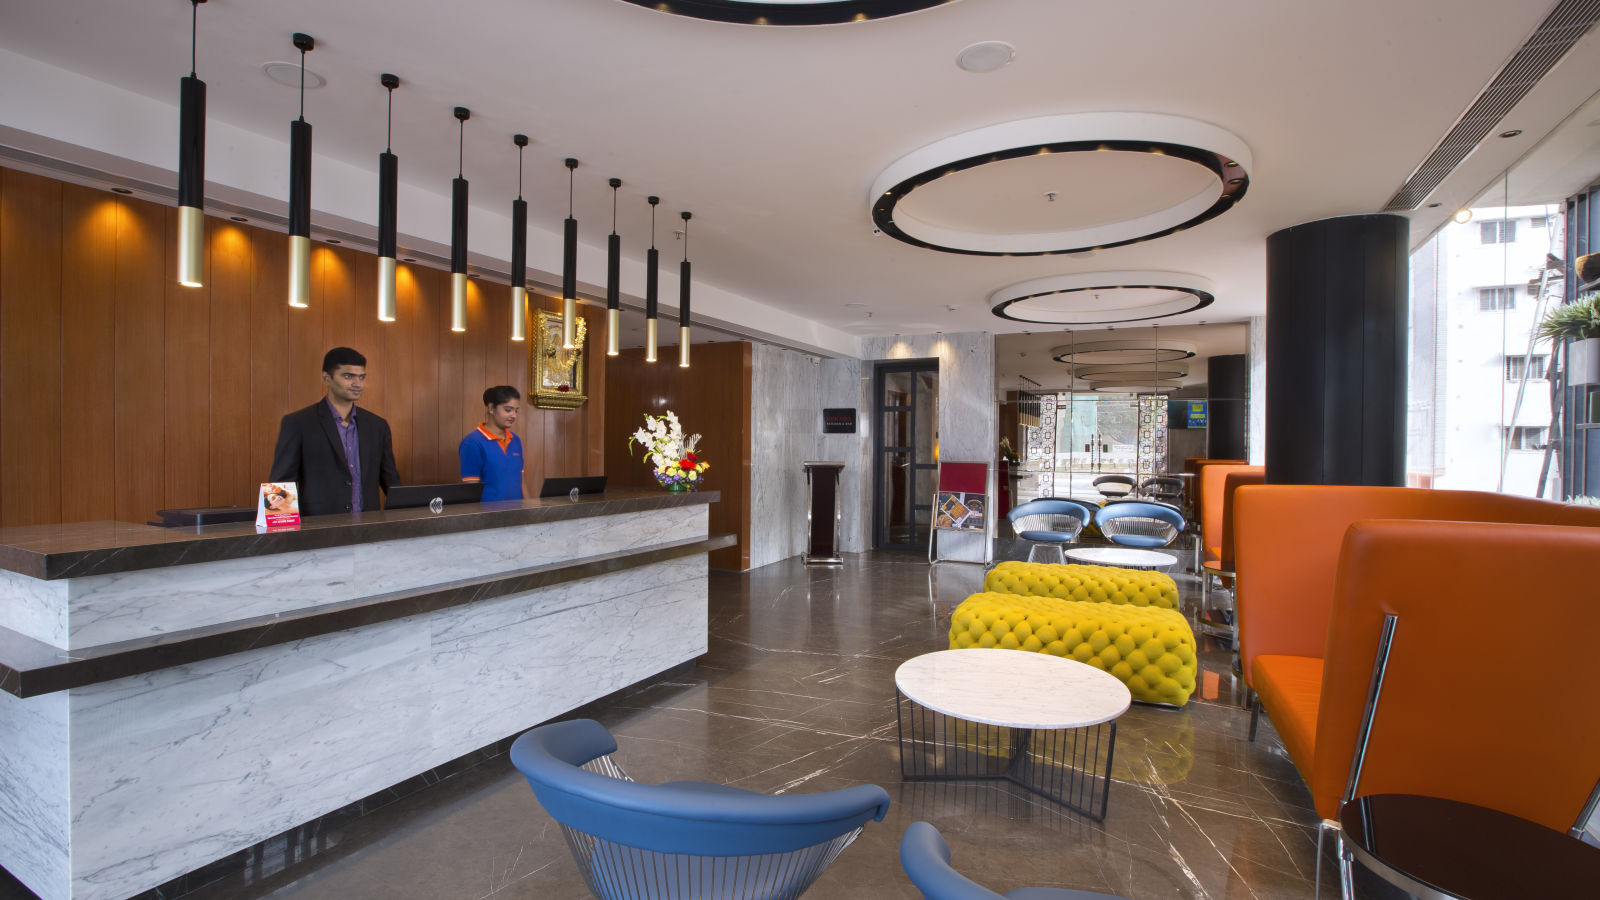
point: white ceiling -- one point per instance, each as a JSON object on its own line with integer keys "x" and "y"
{"x": 1028, "y": 355}
{"x": 773, "y": 136}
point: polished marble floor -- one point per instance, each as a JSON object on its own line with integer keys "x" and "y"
{"x": 797, "y": 694}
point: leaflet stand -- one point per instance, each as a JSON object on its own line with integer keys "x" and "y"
{"x": 961, "y": 503}
{"x": 822, "y": 514}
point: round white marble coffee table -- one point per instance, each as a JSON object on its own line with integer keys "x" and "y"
{"x": 1042, "y": 722}
{"x": 1121, "y": 557}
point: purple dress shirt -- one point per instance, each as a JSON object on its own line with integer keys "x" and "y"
{"x": 351, "y": 442}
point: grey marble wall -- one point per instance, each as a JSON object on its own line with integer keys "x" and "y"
{"x": 1256, "y": 440}
{"x": 35, "y": 790}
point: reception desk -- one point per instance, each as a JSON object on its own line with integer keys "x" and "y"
{"x": 171, "y": 696}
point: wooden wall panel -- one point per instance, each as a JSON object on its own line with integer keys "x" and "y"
{"x": 88, "y": 348}
{"x": 139, "y": 423}
{"x": 182, "y": 389}
{"x": 711, "y": 398}
{"x": 229, "y": 274}
{"x": 30, "y": 351}
{"x": 186, "y": 441}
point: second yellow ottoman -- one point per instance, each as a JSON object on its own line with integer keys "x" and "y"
{"x": 1101, "y": 583}
{"x": 1149, "y": 649}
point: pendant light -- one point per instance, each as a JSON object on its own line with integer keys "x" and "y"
{"x": 519, "y": 252}
{"x": 458, "y": 228}
{"x": 683, "y": 298}
{"x": 613, "y": 276}
{"x": 191, "y": 164}
{"x": 651, "y": 285}
{"x": 569, "y": 269}
{"x": 300, "y": 190}
{"x": 388, "y": 192}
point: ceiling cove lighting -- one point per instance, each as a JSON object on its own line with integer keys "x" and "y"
{"x": 458, "y": 227}
{"x": 569, "y": 269}
{"x": 300, "y": 190}
{"x": 388, "y": 191}
{"x": 519, "y": 252}
{"x": 1102, "y": 298}
{"x": 652, "y": 293}
{"x": 1126, "y": 352}
{"x": 1143, "y": 144}
{"x": 191, "y": 164}
{"x": 788, "y": 12}
{"x": 683, "y": 297}
{"x": 613, "y": 276}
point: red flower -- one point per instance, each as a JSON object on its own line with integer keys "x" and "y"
{"x": 692, "y": 458}
{"x": 686, "y": 464}
{"x": 564, "y": 388}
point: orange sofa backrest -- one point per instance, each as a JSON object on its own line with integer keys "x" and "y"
{"x": 1209, "y": 502}
{"x": 1287, "y": 539}
{"x": 1237, "y": 477}
{"x": 1487, "y": 696}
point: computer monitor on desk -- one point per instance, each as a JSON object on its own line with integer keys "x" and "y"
{"x": 562, "y": 487}
{"x": 454, "y": 493}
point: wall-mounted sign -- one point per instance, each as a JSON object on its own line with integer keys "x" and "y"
{"x": 839, "y": 421}
{"x": 1196, "y": 417}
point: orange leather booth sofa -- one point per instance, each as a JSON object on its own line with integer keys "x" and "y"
{"x": 1504, "y": 594}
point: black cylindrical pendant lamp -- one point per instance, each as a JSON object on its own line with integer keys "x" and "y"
{"x": 458, "y": 229}
{"x": 388, "y": 194}
{"x": 613, "y": 276}
{"x": 569, "y": 269}
{"x": 519, "y": 252}
{"x": 191, "y": 165}
{"x": 652, "y": 285}
{"x": 300, "y": 190}
{"x": 683, "y": 298}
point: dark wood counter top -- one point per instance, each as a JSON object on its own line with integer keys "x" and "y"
{"x": 81, "y": 549}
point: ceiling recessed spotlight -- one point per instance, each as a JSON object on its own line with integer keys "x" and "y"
{"x": 335, "y": 241}
{"x": 1512, "y": 133}
{"x": 408, "y": 259}
{"x": 986, "y": 56}
{"x": 1462, "y": 216}
{"x": 288, "y": 74}
{"x": 1433, "y": 206}
{"x": 1236, "y": 181}
{"x": 120, "y": 190}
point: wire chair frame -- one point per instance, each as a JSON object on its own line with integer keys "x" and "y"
{"x": 1139, "y": 526}
{"x": 614, "y": 871}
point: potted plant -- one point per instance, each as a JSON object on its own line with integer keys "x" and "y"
{"x": 1579, "y": 323}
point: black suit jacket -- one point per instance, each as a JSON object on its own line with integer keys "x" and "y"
{"x": 310, "y": 455}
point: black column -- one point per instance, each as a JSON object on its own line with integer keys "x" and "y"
{"x": 1336, "y": 352}
{"x": 1227, "y": 399}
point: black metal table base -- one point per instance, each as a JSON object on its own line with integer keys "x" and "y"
{"x": 1069, "y": 766}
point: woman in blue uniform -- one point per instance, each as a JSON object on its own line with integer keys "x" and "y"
{"x": 492, "y": 453}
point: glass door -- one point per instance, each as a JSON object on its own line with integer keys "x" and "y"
{"x": 905, "y": 453}
{"x": 1100, "y": 435}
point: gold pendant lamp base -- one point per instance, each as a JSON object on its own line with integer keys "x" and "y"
{"x": 386, "y": 301}
{"x": 650, "y": 340}
{"x": 613, "y": 332}
{"x": 299, "y": 271}
{"x": 458, "y": 301}
{"x": 683, "y": 347}
{"x": 519, "y": 314}
{"x": 191, "y": 238}
{"x": 569, "y": 323}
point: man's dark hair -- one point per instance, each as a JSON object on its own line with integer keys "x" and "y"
{"x": 502, "y": 393}
{"x": 341, "y": 356}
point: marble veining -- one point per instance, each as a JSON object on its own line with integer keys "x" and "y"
{"x": 785, "y": 429}
{"x": 1257, "y": 410}
{"x": 34, "y": 783}
{"x": 1013, "y": 689}
{"x": 35, "y": 608}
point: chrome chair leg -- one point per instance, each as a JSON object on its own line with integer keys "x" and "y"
{"x": 1255, "y": 714}
{"x": 1033, "y": 553}
{"x": 1347, "y": 880}
{"x": 1325, "y": 826}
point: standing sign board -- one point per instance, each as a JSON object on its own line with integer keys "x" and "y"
{"x": 961, "y": 504}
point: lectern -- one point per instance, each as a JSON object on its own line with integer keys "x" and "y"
{"x": 822, "y": 516}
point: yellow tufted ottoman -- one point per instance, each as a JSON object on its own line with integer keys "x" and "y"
{"x": 1104, "y": 584}
{"x": 1149, "y": 649}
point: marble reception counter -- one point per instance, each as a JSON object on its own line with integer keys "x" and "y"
{"x": 170, "y": 696}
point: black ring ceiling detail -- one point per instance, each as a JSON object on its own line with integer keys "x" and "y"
{"x": 1202, "y": 299}
{"x": 1234, "y": 184}
{"x": 821, "y": 13}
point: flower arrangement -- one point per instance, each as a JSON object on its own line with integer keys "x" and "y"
{"x": 677, "y": 467}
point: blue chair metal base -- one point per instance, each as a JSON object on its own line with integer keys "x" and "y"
{"x": 683, "y": 839}
{"x": 926, "y": 859}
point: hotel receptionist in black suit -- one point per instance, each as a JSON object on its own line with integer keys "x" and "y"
{"x": 337, "y": 454}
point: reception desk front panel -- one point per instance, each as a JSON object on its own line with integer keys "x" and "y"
{"x": 114, "y": 786}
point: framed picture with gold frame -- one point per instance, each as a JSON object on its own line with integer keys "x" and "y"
{"x": 555, "y": 374}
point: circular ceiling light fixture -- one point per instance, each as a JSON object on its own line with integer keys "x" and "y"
{"x": 1119, "y": 178}
{"x": 1136, "y": 387}
{"x": 788, "y": 12}
{"x": 1123, "y": 352}
{"x": 986, "y": 56}
{"x": 1102, "y": 298}
{"x": 288, "y": 75}
{"x": 1122, "y": 372}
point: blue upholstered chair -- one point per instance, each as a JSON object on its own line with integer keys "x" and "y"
{"x": 926, "y": 858}
{"x": 684, "y": 838}
{"x": 1139, "y": 523}
{"x": 1049, "y": 524}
